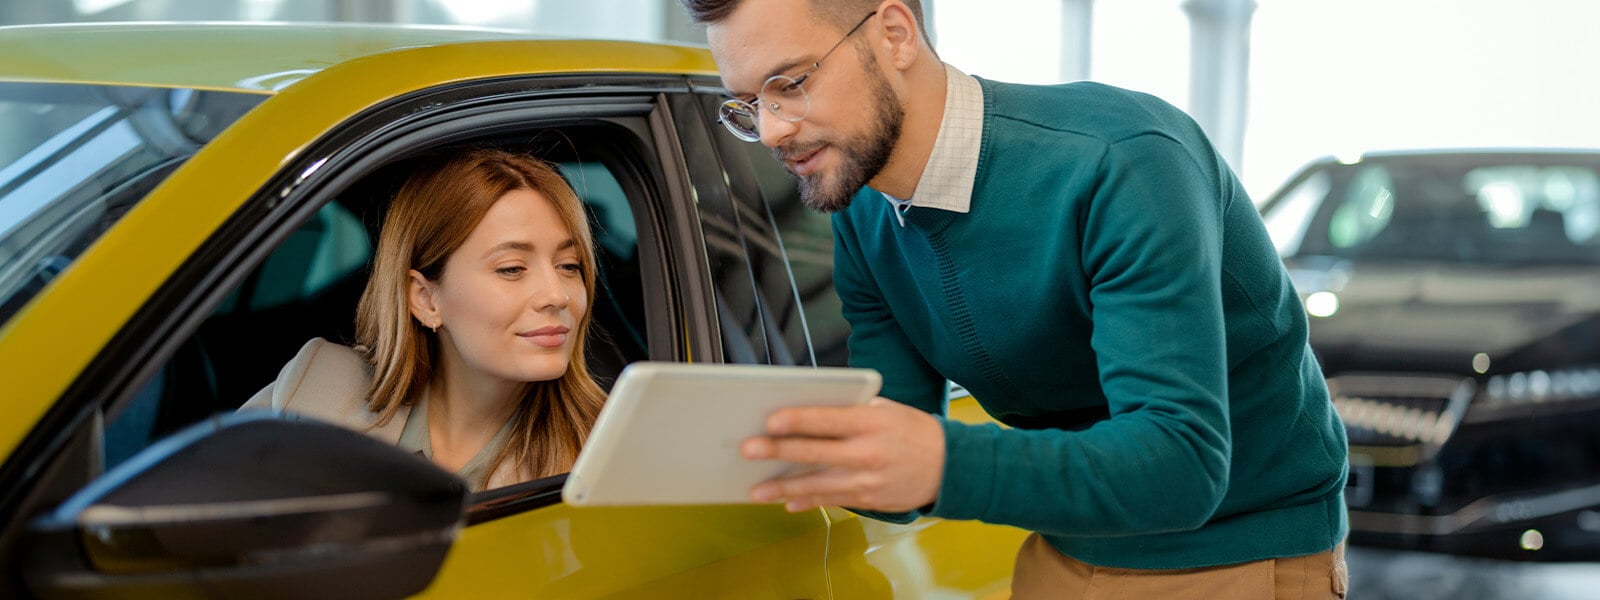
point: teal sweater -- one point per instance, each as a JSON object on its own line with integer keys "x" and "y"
{"x": 1114, "y": 299}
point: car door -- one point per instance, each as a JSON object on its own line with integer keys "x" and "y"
{"x": 652, "y": 552}
{"x": 519, "y": 541}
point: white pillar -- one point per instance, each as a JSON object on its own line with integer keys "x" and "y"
{"x": 1077, "y": 28}
{"x": 1219, "y": 70}
{"x": 675, "y": 25}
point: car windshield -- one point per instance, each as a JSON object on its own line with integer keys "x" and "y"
{"x": 1499, "y": 209}
{"x": 74, "y": 158}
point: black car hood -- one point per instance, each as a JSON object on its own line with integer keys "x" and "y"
{"x": 1432, "y": 316}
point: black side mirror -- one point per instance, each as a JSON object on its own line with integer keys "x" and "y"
{"x": 252, "y": 505}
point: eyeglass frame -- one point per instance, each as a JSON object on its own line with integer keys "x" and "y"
{"x": 798, "y": 82}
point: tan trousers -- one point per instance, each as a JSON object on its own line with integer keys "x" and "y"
{"x": 1043, "y": 572}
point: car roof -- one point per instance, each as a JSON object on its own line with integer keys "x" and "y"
{"x": 268, "y": 57}
{"x": 1510, "y": 153}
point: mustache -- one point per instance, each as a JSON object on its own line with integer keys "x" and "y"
{"x": 784, "y": 154}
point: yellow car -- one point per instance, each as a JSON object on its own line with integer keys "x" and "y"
{"x": 181, "y": 206}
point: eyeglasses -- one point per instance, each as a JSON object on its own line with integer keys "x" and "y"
{"x": 782, "y": 95}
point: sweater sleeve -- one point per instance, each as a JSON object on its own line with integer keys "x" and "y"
{"x": 1152, "y": 253}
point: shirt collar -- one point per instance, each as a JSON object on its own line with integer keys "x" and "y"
{"x": 947, "y": 179}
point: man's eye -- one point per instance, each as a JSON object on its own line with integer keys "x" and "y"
{"x": 793, "y": 87}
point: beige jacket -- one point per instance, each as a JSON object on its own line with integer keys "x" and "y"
{"x": 328, "y": 382}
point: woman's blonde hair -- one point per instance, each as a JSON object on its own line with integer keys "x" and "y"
{"x": 430, "y": 217}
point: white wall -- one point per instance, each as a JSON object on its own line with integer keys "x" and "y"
{"x": 1341, "y": 76}
{"x": 1327, "y": 76}
{"x": 1331, "y": 76}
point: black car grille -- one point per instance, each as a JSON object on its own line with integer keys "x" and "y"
{"x": 1400, "y": 410}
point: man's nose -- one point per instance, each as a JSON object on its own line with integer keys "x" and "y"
{"x": 774, "y": 130}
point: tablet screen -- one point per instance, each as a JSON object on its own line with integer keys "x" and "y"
{"x": 670, "y": 432}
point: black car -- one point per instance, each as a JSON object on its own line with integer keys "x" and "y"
{"x": 1454, "y": 300}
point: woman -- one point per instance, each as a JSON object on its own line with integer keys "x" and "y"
{"x": 471, "y": 327}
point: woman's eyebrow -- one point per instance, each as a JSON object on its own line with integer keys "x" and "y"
{"x": 511, "y": 245}
{"x": 523, "y": 246}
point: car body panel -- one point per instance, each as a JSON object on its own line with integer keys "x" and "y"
{"x": 563, "y": 551}
{"x": 930, "y": 558}
{"x": 1441, "y": 316}
{"x": 668, "y": 552}
{"x": 127, "y": 264}
{"x": 927, "y": 559}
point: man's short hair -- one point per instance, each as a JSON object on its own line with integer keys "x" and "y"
{"x": 841, "y": 13}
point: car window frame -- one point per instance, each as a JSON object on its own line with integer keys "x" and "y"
{"x": 440, "y": 116}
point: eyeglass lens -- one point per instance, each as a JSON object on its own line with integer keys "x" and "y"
{"x": 740, "y": 119}
{"x": 783, "y": 96}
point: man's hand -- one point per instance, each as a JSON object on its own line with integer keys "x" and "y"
{"x": 884, "y": 456}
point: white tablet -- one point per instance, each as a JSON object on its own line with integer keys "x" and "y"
{"x": 670, "y": 432}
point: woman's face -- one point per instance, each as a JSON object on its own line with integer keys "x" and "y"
{"x": 509, "y": 300}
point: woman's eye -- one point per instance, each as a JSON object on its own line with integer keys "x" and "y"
{"x": 512, "y": 270}
{"x": 574, "y": 268}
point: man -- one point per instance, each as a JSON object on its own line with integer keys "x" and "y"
{"x": 1082, "y": 261}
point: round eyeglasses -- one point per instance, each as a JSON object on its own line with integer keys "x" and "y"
{"x": 783, "y": 96}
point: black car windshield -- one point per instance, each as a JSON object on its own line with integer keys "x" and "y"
{"x": 74, "y": 158}
{"x": 1466, "y": 208}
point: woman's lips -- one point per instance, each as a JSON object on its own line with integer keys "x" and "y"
{"x": 548, "y": 337}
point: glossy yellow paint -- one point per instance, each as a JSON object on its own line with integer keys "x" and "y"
{"x": 52, "y": 339}
{"x": 671, "y": 552}
{"x": 931, "y": 558}
{"x": 927, "y": 559}
{"x": 566, "y": 552}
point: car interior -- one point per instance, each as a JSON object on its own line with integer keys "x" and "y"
{"x": 310, "y": 284}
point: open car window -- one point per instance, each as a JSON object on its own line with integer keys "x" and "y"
{"x": 309, "y": 286}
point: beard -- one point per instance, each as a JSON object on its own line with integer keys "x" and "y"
{"x": 863, "y": 156}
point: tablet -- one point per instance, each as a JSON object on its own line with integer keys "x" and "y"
{"x": 670, "y": 432}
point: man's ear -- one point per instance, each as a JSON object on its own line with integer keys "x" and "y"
{"x": 900, "y": 33}
{"x": 420, "y": 293}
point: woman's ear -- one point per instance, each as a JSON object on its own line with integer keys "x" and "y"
{"x": 420, "y": 294}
